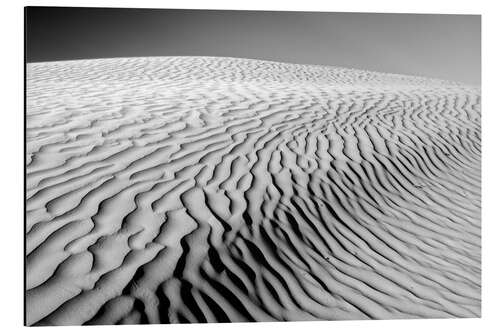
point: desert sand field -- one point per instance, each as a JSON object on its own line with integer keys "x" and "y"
{"x": 205, "y": 189}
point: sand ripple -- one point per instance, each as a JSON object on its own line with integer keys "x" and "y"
{"x": 198, "y": 189}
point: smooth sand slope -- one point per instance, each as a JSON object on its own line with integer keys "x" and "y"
{"x": 198, "y": 189}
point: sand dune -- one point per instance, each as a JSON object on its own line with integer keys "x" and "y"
{"x": 199, "y": 189}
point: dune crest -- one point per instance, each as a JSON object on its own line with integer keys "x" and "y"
{"x": 204, "y": 189}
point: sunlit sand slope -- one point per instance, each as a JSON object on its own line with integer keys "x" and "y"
{"x": 198, "y": 189}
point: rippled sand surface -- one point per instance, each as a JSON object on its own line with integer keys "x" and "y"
{"x": 200, "y": 189}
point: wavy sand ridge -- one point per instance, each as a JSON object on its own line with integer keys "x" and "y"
{"x": 193, "y": 189}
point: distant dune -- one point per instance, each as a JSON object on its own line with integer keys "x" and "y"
{"x": 203, "y": 189}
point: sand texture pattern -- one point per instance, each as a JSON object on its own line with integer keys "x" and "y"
{"x": 205, "y": 189}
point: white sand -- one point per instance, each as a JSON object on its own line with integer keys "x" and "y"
{"x": 197, "y": 189}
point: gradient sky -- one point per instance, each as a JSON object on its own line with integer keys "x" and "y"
{"x": 439, "y": 46}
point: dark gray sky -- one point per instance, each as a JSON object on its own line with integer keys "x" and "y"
{"x": 440, "y": 46}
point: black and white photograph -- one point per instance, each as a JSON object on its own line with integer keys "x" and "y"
{"x": 222, "y": 166}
